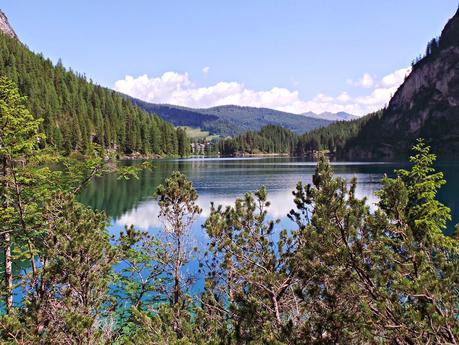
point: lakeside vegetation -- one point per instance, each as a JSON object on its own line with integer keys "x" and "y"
{"x": 346, "y": 274}
{"x": 275, "y": 139}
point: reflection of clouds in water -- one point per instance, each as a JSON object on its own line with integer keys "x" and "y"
{"x": 145, "y": 216}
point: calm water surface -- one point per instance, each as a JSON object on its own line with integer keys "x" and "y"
{"x": 222, "y": 180}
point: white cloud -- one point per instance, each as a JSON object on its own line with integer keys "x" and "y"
{"x": 205, "y": 71}
{"x": 343, "y": 97}
{"x": 177, "y": 88}
{"x": 396, "y": 78}
{"x": 366, "y": 81}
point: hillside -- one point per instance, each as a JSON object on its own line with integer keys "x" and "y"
{"x": 76, "y": 112}
{"x": 231, "y": 120}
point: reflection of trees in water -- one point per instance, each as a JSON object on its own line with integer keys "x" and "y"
{"x": 449, "y": 193}
{"x": 116, "y": 197}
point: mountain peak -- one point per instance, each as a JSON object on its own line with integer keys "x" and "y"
{"x": 339, "y": 116}
{"x": 5, "y": 26}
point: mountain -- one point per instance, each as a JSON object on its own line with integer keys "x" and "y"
{"x": 340, "y": 116}
{"x": 426, "y": 105}
{"x": 5, "y": 26}
{"x": 231, "y": 120}
{"x": 77, "y": 113}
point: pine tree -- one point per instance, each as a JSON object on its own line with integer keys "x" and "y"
{"x": 64, "y": 305}
{"x": 250, "y": 269}
{"x": 178, "y": 210}
{"x": 19, "y": 139}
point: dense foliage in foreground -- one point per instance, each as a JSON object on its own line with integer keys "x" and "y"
{"x": 77, "y": 113}
{"x": 347, "y": 274}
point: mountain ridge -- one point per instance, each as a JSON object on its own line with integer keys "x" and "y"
{"x": 326, "y": 115}
{"x": 231, "y": 120}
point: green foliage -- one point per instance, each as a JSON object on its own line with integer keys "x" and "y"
{"x": 141, "y": 281}
{"x": 158, "y": 328}
{"x": 249, "y": 270}
{"x": 390, "y": 276}
{"x": 274, "y": 139}
{"x": 64, "y": 299}
{"x": 334, "y": 137}
{"x": 21, "y": 182}
{"x": 184, "y": 148}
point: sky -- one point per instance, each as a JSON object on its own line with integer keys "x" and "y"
{"x": 290, "y": 55}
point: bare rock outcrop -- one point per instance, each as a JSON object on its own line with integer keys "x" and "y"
{"x": 5, "y": 26}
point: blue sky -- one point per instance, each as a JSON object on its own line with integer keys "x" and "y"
{"x": 291, "y": 55}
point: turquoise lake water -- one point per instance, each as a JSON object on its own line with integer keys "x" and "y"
{"x": 223, "y": 179}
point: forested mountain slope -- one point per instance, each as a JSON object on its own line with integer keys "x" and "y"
{"x": 231, "y": 120}
{"x": 77, "y": 112}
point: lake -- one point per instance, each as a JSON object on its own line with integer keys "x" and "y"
{"x": 223, "y": 179}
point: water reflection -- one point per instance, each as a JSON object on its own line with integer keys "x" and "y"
{"x": 222, "y": 180}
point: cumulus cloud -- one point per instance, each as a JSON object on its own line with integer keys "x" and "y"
{"x": 396, "y": 78}
{"x": 177, "y": 88}
{"x": 366, "y": 81}
{"x": 206, "y": 70}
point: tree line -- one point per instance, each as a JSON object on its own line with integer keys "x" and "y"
{"x": 77, "y": 113}
{"x": 270, "y": 139}
{"x": 334, "y": 138}
{"x": 346, "y": 273}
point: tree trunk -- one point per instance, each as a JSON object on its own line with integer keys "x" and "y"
{"x": 177, "y": 272}
{"x": 8, "y": 275}
{"x": 8, "y": 272}
{"x": 276, "y": 309}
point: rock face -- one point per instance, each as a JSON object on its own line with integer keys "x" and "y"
{"x": 426, "y": 105}
{"x": 5, "y": 26}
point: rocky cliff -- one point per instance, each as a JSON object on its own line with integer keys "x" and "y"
{"x": 5, "y": 26}
{"x": 426, "y": 105}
